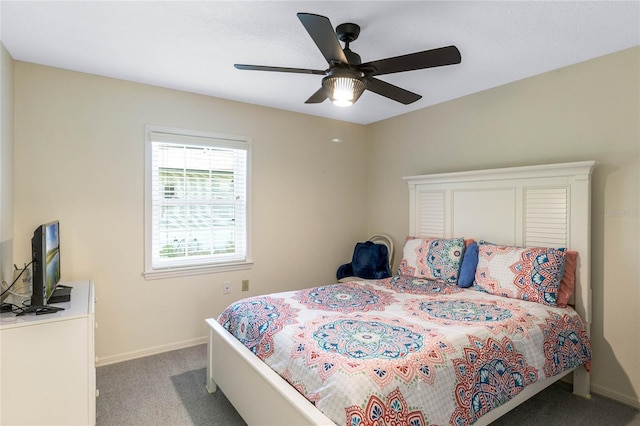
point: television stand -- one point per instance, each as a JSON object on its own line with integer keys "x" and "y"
{"x": 48, "y": 362}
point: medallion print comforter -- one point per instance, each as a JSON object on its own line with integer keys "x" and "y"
{"x": 406, "y": 350}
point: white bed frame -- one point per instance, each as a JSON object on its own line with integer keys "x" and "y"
{"x": 547, "y": 205}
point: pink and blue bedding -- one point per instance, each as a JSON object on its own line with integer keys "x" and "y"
{"x": 407, "y": 350}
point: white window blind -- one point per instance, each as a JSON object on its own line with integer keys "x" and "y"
{"x": 197, "y": 202}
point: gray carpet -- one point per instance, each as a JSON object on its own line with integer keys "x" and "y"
{"x": 168, "y": 389}
{"x": 165, "y": 389}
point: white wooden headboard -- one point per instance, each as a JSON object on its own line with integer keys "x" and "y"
{"x": 546, "y": 205}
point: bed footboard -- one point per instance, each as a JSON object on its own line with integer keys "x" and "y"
{"x": 582, "y": 382}
{"x": 259, "y": 394}
{"x": 262, "y": 397}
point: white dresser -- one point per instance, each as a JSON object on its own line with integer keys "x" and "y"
{"x": 47, "y": 364}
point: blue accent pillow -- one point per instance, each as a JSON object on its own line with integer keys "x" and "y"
{"x": 469, "y": 264}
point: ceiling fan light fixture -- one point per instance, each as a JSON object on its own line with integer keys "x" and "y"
{"x": 344, "y": 87}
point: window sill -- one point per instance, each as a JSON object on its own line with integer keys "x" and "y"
{"x": 186, "y": 271}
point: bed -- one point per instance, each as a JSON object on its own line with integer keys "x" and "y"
{"x": 469, "y": 354}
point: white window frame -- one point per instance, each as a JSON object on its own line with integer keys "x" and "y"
{"x": 201, "y": 138}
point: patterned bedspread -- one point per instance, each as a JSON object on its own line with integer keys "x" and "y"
{"x": 407, "y": 350}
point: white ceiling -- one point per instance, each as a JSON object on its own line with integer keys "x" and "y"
{"x": 192, "y": 45}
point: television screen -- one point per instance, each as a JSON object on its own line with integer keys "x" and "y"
{"x": 46, "y": 262}
{"x": 52, "y": 258}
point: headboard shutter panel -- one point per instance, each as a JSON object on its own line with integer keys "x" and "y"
{"x": 431, "y": 211}
{"x": 546, "y": 217}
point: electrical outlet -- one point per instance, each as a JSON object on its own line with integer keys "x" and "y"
{"x": 226, "y": 287}
{"x": 245, "y": 285}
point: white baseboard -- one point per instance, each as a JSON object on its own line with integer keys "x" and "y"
{"x": 100, "y": 361}
{"x": 616, "y": 396}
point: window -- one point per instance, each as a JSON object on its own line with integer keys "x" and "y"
{"x": 196, "y": 207}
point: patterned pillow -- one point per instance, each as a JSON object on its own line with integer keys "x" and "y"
{"x": 432, "y": 258}
{"x": 527, "y": 273}
{"x": 568, "y": 282}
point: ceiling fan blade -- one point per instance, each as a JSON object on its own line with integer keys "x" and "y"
{"x": 279, "y": 69}
{"x": 415, "y": 61}
{"x": 390, "y": 91}
{"x": 321, "y": 31}
{"x": 318, "y": 97}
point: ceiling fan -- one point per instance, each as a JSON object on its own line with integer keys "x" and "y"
{"x": 347, "y": 77}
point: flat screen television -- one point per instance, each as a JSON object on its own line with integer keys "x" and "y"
{"x": 45, "y": 246}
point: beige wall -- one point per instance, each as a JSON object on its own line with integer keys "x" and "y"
{"x": 589, "y": 111}
{"x": 79, "y": 158}
{"x": 6, "y": 164}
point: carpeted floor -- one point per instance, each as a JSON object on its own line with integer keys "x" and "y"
{"x": 165, "y": 389}
{"x": 168, "y": 389}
